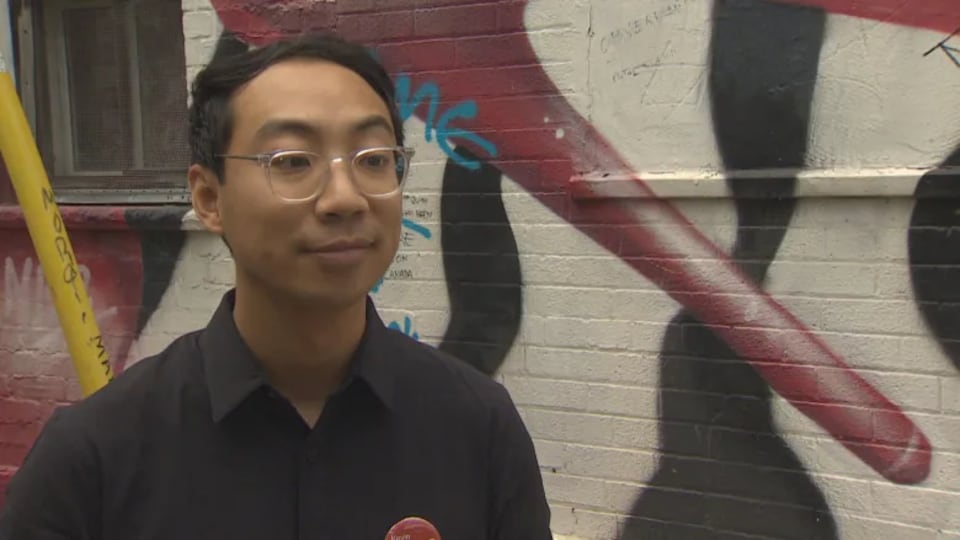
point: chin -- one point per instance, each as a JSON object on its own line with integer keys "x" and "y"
{"x": 332, "y": 293}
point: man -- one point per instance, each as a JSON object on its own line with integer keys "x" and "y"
{"x": 296, "y": 414}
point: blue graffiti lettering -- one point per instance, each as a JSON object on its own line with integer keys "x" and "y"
{"x": 417, "y": 228}
{"x": 466, "y": 109}
{"x": 407, "y": 327}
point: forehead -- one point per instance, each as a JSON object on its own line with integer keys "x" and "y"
{"x": 324, "y": 94}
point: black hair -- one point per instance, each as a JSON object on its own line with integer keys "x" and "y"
{"x": 211, "y": 120}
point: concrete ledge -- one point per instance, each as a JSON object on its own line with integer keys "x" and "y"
{"x": 826, "y": 183}
{"x": 116, "y": 218}
{"x": 712, "y": 185}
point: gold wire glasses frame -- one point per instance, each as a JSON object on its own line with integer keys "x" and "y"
{"x": 298, "y": 175}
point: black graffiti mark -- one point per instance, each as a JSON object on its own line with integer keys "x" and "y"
{"x": 97, "y": 341}
{"x": 481, "y": 266}
{"x": 953, "y": 53}
{"x": 161, "y": 240}
{"x": 636, "y": 26}
{"x": 70, "y": 272}
{"x": 934, "y": 253}
{"x": 724, "y": 470}
{"x": 70, "y": 275}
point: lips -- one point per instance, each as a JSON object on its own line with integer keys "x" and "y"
{"x": 340, "y": 246}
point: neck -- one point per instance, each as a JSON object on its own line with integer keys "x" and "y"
{"x": 304, "y": 349}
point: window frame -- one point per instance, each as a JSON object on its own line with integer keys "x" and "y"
{"x": 42, "y": 75}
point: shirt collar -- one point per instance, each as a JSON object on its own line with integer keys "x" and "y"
{"x": 233, "y": 372}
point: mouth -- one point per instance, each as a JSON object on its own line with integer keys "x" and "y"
{"x": 340, "y": 252}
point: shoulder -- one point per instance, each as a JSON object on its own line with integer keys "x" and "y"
{"x": 448, "y": 380}
{"x": 123, "y": 400}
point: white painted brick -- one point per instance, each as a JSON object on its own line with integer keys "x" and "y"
{"x": 824, "y": 279}
{"x": 801, "y": 244}
{"x": 602, "y": 334}
{"x": 893, "y": 281}
{"x": 943, "y": 430}
{"x": 608, "y": 463}
{"x": 944, "y": 471}
{"x": 590, "y": 493}
{"x": 581, "y": 523}
{"x": 855, "y": 315}
{"x": 423, "y": 265}
{"x": 927, "y": 356}
{"x": 864, "y": 245}
{"x": 550, "y": 455}
{"x": 908, "y": 391}
{"x": 539, "y": 238}
{"x": 859, "y": 527}
{"x": 196, "y": 5}
{"x": 414, "y": 295}
{"x": 825, "y": 455}
{"x": 916, "y": 505}
{"x": 560, "y": 15}
{"x": 587, "y": 271}
{"x": 199, "y": 51}
{"x": 588, "y": 397}
{"x": 199, "y": 24}
{"x": 642, "y": 305}
{"x": 844, "y": 494}
{"x": 558, "y": 45}
{"x": 596, "y": 429}
{"x": 570, "y": 301}
{"x": 950, "y": 394}
{"x": 595, "y": 366}
{"x": 867, "y": 351}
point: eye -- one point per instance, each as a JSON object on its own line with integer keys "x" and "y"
{"x": 376, "y": 161}
{"x": 291, "y": 162}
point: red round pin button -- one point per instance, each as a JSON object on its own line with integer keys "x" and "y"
{"x": 413, "y": 528}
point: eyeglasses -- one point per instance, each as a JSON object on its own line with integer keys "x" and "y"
{"x": 296, "y": 175}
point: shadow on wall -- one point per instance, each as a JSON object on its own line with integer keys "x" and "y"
{"x": 761, "y": 89}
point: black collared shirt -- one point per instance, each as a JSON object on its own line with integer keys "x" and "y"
{"x": 193, "y": 444}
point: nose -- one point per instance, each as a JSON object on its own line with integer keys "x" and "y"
{"x": 340, "y": 198}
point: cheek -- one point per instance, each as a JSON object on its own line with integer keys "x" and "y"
{"x": 254, "y": 225}
{"x": 391, "y": 218}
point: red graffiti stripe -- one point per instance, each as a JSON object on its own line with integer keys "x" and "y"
{"x": 942, "y": 15}
{"x": 654, "y": 237}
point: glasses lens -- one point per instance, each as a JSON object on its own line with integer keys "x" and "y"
{"x": 295, "y": 175}
{"x": 379, "y": 171}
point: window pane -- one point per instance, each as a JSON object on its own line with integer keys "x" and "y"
{"x": 99, "y": 88}
{"x": 163, "y": 90}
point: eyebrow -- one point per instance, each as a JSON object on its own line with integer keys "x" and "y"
{"x": 371, "y": 123}
{"x": 309, "y": 131}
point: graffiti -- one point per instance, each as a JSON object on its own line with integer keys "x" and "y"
{"x": 27, "y": 303}
{"x": 71, "y": 275}
{"x": 746, "y": 141}
{"x": 413, "y": 230}
{"x": 621, "y": 35}
{"x": 935, "y": 253}
{"x": 732, "y": 358}
{"x": 406, "y": 328}
{"x": 722, "y": 306}
{"x": 481, "y": 265}
{"x": 953, "y": 53}
{"x": 441, "y": 129}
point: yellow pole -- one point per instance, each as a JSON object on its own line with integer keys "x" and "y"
{"x": 49, "y": 235}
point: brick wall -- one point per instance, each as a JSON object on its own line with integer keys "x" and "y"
{"x": 708, "y": 247}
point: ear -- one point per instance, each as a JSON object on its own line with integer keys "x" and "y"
{"x": 205, "y": 193}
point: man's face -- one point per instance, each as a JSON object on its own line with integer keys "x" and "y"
{"x": 331, "y": 250}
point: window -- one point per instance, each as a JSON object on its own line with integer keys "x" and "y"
{"x": 104, "y": 84}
